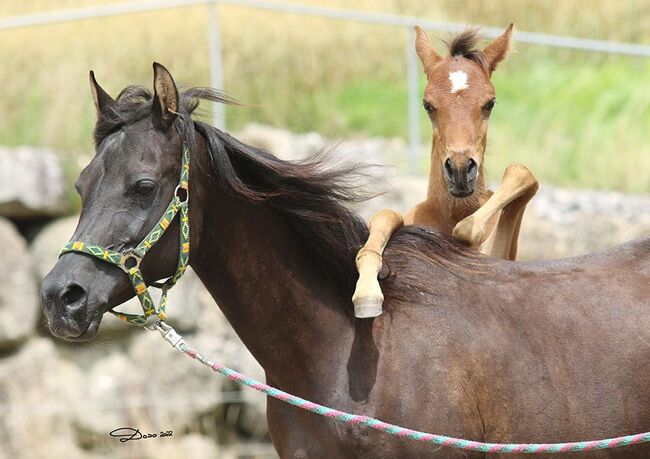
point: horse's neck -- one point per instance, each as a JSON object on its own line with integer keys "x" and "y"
{"x": 451, "y": 208}
{"x": 268, "y": 287}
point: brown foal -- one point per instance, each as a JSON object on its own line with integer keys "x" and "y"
{"x": 458, "y": 98}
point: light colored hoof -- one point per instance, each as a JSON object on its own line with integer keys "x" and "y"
{"x": 365, "y": 308}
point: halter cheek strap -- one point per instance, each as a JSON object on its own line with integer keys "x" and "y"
{"x": 129, "y": 260}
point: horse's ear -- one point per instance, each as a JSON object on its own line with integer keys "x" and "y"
{"x": 499, "y": 49}
{"x": 425, "y": 51}
{"x": 100, "y": 97}
{"x": 165, "y": 99}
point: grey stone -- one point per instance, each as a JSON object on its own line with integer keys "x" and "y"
{"x": 34, "y": 390}
{"x": 185, "y": 302}
{"x": 33, "y": 183}
{"x": 402, "y": 194}
{"x": 47, "y": 244}
{"x": 19, "y": 307}
{"x": 192, "y": 445}
{"x": 563, "y": 222}
{"x": 181, "y": 386}
{"x": 277, "y": 141}
{"x": 143, "y": 390}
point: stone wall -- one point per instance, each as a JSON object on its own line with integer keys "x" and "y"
{"x": 60, "y": 400}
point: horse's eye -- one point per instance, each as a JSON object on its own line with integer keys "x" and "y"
{"x": 144, "y": 187}
{"x": 428, "y": 107}
{"x": 489, "y": 105}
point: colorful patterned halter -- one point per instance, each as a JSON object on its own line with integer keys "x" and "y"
{"x": 129, "y": 260}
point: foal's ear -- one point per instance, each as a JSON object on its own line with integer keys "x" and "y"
{"x": 165, "y": 99}
{"x": 425, "y": 51}
{"x": 499, "y": 49}
{"x": 100, "y": 97}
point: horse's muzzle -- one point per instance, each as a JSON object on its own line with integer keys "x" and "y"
{"x": 72, "y": 313}
{"x": 461, "y": 179}
{"x": 65, "y": 304}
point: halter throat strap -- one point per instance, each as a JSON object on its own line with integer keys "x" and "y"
{"x": 129, "y": 260}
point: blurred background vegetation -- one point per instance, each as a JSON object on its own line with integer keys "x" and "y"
{"x": 575, "y": 118}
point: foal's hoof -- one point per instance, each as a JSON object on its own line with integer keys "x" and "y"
{"x": 365, "y": 308}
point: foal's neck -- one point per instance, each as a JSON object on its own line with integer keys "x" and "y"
{"x": 451, "y": 208}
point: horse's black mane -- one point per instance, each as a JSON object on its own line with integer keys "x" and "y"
{"x": 311, "y": 194}
{"x": 466, "y": 44}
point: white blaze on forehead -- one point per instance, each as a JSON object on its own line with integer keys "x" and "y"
{"x": 458, "y": 81}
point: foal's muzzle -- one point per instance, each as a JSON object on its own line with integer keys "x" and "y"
{"x": 461, "y": 178}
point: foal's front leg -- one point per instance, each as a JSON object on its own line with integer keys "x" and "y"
{"x": 368, "y": 297}
{"x": 509, "y": 201}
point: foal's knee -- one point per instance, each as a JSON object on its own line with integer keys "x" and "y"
{"x": 386, "y": 218}
{"x": 522, "y": 176}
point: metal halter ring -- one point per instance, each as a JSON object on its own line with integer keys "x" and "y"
{"x": 152, "y": 322}
{"x": 182, "y": 194}
{"x": 130, "y": 261}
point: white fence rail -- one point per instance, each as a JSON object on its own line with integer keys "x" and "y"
{"x": 412, "y": 70}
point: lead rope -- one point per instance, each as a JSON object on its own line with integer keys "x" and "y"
{"x": 178, "y": 343}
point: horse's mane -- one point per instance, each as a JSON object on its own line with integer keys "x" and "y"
{"x": 311, "y": 194}
{"x": 466, "y": 44}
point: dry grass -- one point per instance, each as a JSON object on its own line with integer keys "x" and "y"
{"x": 575, "y": 118}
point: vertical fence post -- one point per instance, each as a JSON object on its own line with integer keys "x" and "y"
{"x": 216, "y": 67}
{"x": 413, "y": 83}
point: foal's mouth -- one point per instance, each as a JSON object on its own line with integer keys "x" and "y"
{"x": 461, "y": 193}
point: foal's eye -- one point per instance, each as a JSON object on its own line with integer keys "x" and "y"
{"x": 428, "y": 107}
{"x": 489, "y": 105}
{"x": 144, "y": 187}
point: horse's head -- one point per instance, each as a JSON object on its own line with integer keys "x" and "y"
{"x": 459, "y": 98}
{"x": 124, "y": 191}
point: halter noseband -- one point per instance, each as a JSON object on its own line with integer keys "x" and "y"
{"x": 129, "y": 260}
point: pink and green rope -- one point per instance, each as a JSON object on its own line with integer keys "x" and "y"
{"x": 179, "y": 343}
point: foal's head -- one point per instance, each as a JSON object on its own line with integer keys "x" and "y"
{"x": 459, "y": 98}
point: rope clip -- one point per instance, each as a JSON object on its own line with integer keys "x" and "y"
{"x": 171, "y": 336}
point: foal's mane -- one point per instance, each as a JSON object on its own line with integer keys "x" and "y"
{"x": 466, "y": 44}
{"x": 311, "y": 194}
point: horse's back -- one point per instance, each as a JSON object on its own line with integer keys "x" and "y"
{"x": 532, "y": 352}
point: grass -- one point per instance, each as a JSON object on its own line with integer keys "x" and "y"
{"x": 576, "y": 119}
{"x": 572, "y": 124}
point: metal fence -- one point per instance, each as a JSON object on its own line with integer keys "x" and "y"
{"x": 408, "y": 22}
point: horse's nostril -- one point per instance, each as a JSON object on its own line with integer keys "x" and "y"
{"x": 449, "y": 169}
{"x": 472, "y": 168}
{"x": 72, "y": 294}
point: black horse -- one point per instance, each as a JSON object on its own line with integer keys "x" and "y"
{"x": 468, "y": 346}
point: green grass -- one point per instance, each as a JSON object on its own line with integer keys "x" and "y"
{"x": 575, "y": 118}
{"x": 573, "y": 123}
{"x": 576, "y": 124}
